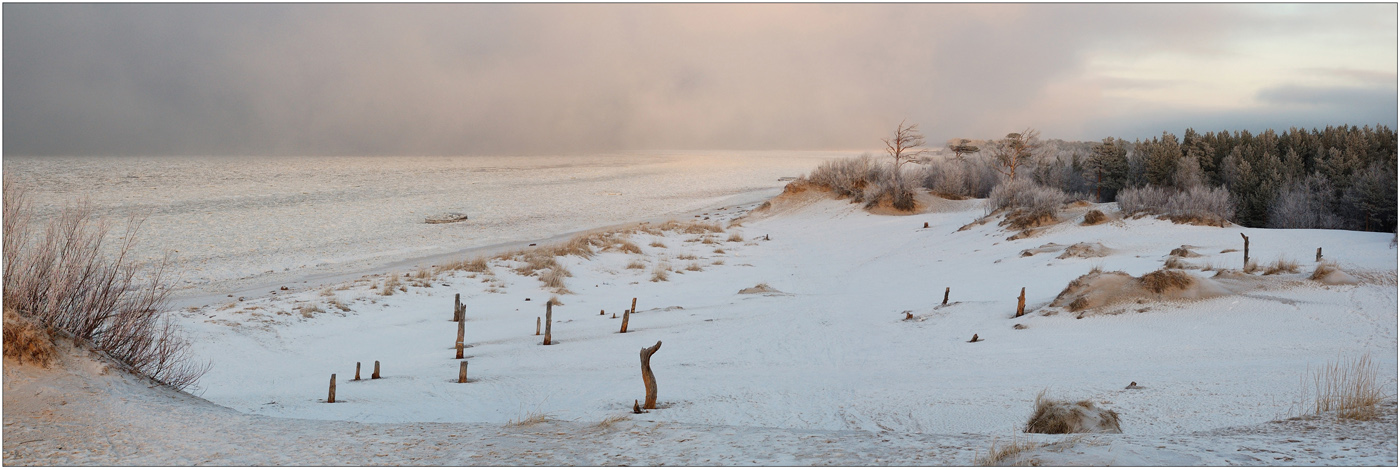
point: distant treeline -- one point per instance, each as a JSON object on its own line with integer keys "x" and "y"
{"x": 1337, "y": 177}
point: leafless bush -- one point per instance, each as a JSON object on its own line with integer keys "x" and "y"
{"x": 1305, "y": 204}
{"x": 846, "y": 177}
{"x": 1149, "y": 199}
{"x": 1094, "y": 217}
{"x": 68, "y": 279}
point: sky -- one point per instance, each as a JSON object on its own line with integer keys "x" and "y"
{"x": 449, "y": 79}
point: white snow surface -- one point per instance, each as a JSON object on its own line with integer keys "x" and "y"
{"x": 825, "y": 371}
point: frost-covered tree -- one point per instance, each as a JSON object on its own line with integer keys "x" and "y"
{"x": 1015, "y": 150}
{"x": 905, "y": 146}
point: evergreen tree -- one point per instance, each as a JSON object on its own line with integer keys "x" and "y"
{"x": 1107, "y": 167}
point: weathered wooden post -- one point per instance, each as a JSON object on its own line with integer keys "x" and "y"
{"x": 945, "y": 294}
{"x": 461, "y": 335}
{"x": 925, "y": 224}
{"x": 908, "y": 316}
{"x": 357, "y": 371}
{"x": 636, "y": 406}
{"x": 537, "y": 325}
{"x": 1021, "y": 302}
{"x": 647, "y": 378}
{"x": 462, "y": 373}
{"x": 600, "y": 312}
{"x": 331, "y": 398}
{"x": 458, "y": 312}
{"x": 974, "y": 339}
{"x": 1246, "y": 249}
{"x": 376, "y": 370}
{"x": 1319, "y": 254}
{"x": 548, "y": 320}
{"x": 626, "y": 313}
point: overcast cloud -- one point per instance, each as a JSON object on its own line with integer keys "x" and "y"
{"x": 415, "y": 79}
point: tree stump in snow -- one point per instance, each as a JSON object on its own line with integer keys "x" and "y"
{"x": 357, "y": 371}
{"x": 1021, "y": 303}
{"x": 974, "y": 339}
{"x": 636, "y": 407}
{"x": 1246, "y": 250}
{"x": 600, "y": 312}
{"x": 537, "y": 325}
{"x": 548, "y": 320}
{"x": 376, "y": 370}
{"x": 462, "y": 373}
{"x": 330, "y": 399}
{"x": 649, "y": 379}
{"x": 1319, "y": 254}
{"x": 945, "y": 294}
{"x": 925, "y": 224}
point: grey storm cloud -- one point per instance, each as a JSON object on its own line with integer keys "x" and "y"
{"x": 84, "y": 79}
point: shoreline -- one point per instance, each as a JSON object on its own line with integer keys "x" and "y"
{"x": 211, "y": 293}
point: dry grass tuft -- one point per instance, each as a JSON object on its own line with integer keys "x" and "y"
{"x": 338, "y": 304}
{"x": 736, "y": 237}
{"x": 661, "y": 273}
{"x": 390, "y": 284}
{"x": 554, "y": 300}
{"x": 717, "y": 262}
{"x": 1347, "y": 387}
{"x": 1282, "y": 266}
{"x": 719, "y": 251}
{"x": 1251, "y": 267}
{"x": 1055, "y": 417}
{"x": 554, "y": 278}
{"x": 636, "y": 264}
{"x": 610, "y": 420}
{"x": 1007, "y": 455}
{"x": 693, "y": 267}
{"x": 687, "y": 257}
{"x": 629, "y": 247}
{"x": 531, "y": 418}
{"x": 328, "y": 291}
{"x": 26, "y": 341}
{"x": 1163, "y": 280}
{"x": 308, "y": 310}
{"x": 657, "y": 244}
{"x": 1094, "y": 217}
{"x": 1323, "y": 270}
{"x": 1174, "y": 262}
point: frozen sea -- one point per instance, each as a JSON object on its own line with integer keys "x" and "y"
{"x": 236, "y": 224}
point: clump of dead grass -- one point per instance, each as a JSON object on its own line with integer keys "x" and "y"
{"x": 657, "y": 244}
{"x": 661, "y": 273}
{"x": 735, "y": 237}
{"x": 1055, "y": 417}
{"x": 1163, "y": 280}
{"x": 26, "y": 341}
{"x": 609, "y": 421}
{"x": 390, "y": 284}
{"x": 636, "y": 264}
{"x": 554, "y": 278}
{"x": 1282, "y": 266}
{"x": 693, "y": 267}
{"x": 531, "y": 418}
{"x": 1094, "y": 217}
{"x": 1007, "y": 455}
{"x": 1348, "y": 387}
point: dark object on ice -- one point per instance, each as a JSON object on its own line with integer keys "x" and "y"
{"x": 527, "y": 299}
{"x": 446, "y": 218}
{"x": 908, "y": 315}
{"x": 637, "y": 407}
{"x": 532, "y": 244}
{"x": 1019, "y": 326}
{"x": 974, "y": 339}
{"x": 1133, "y": 385}
{"x": 925, "y": 224}
{"x": 284, "y": 288}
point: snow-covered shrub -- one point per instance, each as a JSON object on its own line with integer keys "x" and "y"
{"x": 1198, "y": 204}
{"x": 1030, "y": 199}
{"x": 891, "y": 186}
{"x": 847, "y": 177}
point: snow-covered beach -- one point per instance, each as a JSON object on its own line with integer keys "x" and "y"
{"x": 848, "y": 357}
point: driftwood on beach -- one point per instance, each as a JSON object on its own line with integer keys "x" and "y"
{"x": 446, "y": 218}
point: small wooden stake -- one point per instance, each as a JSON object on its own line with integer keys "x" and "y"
{"x": 636, "y": 406}
{"x": 908, "y": 316}
{"x": 649, "y": 379}
{"x": 600, "y": 312}
{"x": 974, "y": 338}
{"x": 626, "y": 313}
{"x": 945, "y": 294}
{"x": 925, "y": 224}
{"x": 548, "y": 320}
{"x": 357, "y": 371}
{"x": 376, "y": 370}
{"x": 462, "y": 373}
{"x": 1021, "y": 303}
{"x": 331, "y": 398}
{"x": 1319, "y": 254}
{"x": 1246, "y": 250}
{"x": 537, "y": 325}
{"x": 461, "y": 335}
